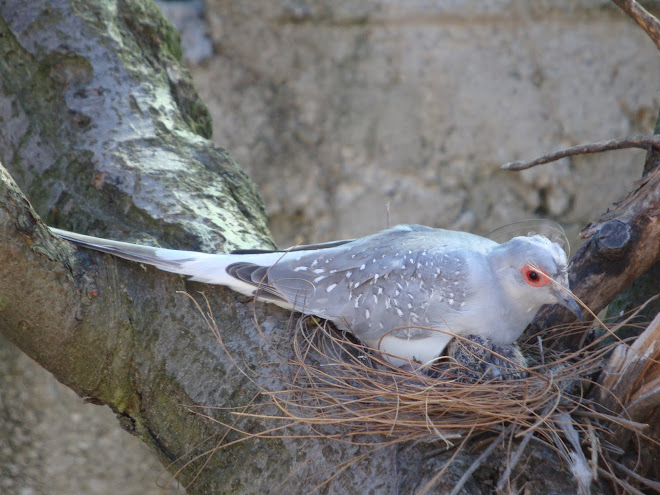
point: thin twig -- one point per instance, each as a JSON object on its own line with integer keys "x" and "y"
{"x": 643, "y": 142}
{"x": 478, "y": 462}
{"x": 655, "y": 485}
{"x": 513, "y": 462}
{"x": 647, "y": 21}
{"x": 623, "y": 484}
{"x": 425, "y": 489}
{"x": 594, "y": 447}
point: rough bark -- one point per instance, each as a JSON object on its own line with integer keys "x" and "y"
{"x": 101, "y": 124}
{"x": 622, "y": 245}
{"x": 104, "y": 133}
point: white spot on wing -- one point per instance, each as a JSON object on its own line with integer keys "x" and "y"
{"x": 330, "y": 287}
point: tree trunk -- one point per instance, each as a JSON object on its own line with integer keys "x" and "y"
{"x": 105, "y": 135}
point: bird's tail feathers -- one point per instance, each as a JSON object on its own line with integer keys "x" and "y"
{"x": 200, "y": 267}
{"x": 126, "y": 250}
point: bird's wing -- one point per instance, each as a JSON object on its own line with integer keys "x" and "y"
{"x": 300, "y": 247}
{"x": 375, "y": 284}
{"x": 393, "y": 301}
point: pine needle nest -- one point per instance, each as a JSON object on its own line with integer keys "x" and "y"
{"x": 340, "y": 389}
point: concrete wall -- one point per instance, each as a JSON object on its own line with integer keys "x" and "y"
{"x": 337, "y": 109}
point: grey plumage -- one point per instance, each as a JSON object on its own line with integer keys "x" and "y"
{"x": 474, "y": 358}
{"x": 403, "y": 291}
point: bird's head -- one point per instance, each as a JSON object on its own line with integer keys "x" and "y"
{"x": 532, "y": 272}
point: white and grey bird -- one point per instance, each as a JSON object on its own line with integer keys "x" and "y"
{"x": 404, "y": 291}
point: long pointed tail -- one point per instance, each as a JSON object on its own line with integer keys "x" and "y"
{"x": 171, "y": 261}
{"x": 201, "y": 267}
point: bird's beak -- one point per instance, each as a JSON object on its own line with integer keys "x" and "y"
{"x": 566, "y": 299}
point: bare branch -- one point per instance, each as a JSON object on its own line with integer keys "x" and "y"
{"x": 621, "y": 245}
{"x": 647, "y": 21}
{"x": 642, "y": 142}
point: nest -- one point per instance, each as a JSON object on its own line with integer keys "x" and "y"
{"x": 335, "y": 380}
{"x": 340, "y": 388}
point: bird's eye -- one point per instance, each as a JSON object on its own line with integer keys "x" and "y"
{"x": 534, "y": 276}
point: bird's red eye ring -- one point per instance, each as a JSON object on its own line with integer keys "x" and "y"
{"x": 534, "y": 276}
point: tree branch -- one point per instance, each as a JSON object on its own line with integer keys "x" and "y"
{"x": 647, "y": 21}
{"x": 643, "y": 142}
{"x": 110, "y": 139}
{"x": 621, "y": 246}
